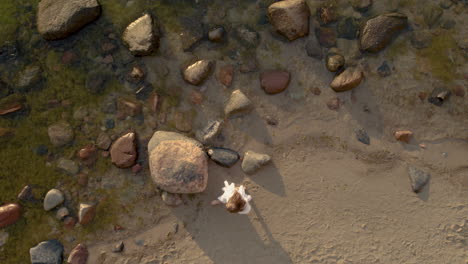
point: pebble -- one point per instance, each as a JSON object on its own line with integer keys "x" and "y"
{"x": 271, "y": 120}
{"x": 28, "y": 77}
{"x": 223, "y": 156}
{"x": 248, "y": 37}
{"x": 60, "y": 133}
{"x": 249, "y": 65}
{"x": 335, "y": 62}
{"x": 216, "y": 34}
{"x": 403, "y": 135}
{"x": 274, "y": 81}
{"x": 103, "y": 141}
{"x": 178, "y": 164}
{"x": 7, "y": 133}
{"x": 86, "y": 213}
{"x": 78, "y": 255}
{"x": 88, "y": 155}
{"x": 58, "y": 19}
{"x": 459, "y": 90}
{"x": 316, "y": 91}
{"x": 53, "y": 199}
{"x": 361, "y": 5}
{"x": 83, "y": 179}
{"x": 326, "y": 36}
{"x": 334, "y": 103}
{"x": 362, "y": 136}
{"x": 384, "y": 70}
{"x": 418, "y": 178}
{"x": 444, "y": 154}
{"x": 347, "y": 80}
{"x": 197, "y": 72}
{"x": 313, "y": 48}
{"x": 9, "y": 214}
{"x": 68, "y": 166}
{"x": 47, "y": 252}
{"x": 128, "y": 107}
{"x": 237, "y": 103}
{"x": 26, "y": 194}
{"x": 208, "y": 133}
{"x": 108, "y": 47}
{"x": 347, "y": 28}
{"x": 123, "y": 151}
{"x": 171, "y": 199}
{"x": 196, "y": 97}
{"x": 141, "y": 37}
{"x": 62, "y": 213}
{"x": 326, "y": 14}
{"x": 290, "y": 18}
{"x": 118, "y": 247}
{"x": 108, "y": 59}
{"x": 226, "y": 75}
{"x": 253, "y": 161}
{"x": 438, "y": 96}
{"x": 69, "y": 222}
{"x": 136, "y": 168}
{"x": 378, "y": 32}
{"x": 154, "y": 102}
{"x": 11, "y": 104}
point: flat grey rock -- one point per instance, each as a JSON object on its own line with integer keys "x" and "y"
{"x": 418, "y": 178}
{"x": 47, "y": 252}
{"x": 253, "y": 161}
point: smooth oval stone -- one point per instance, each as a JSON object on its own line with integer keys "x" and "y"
{"x": 223, "y": 156}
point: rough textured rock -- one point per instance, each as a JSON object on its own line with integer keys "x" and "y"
{"x": 78, "y": 255}
{"x": 377, "y": 32}
{"x": 60, "y": 133}
{"x": 290, "y": 18}
{"x": 53, "y": 199}
{"x": 224, "y": 157}
{"x": 347, "y": 80}
{"x": 253, "y": 161}
{"x": 86, "y": 213}
{"x": 177, "y": 164}
{"x": 103, "y": 141}
{"x": 123, "y": 151}
{"x": 58, "y": 19}
{"x": 335, "y": 62}
{"x": 225, "y": 75}
{"x": 237, "y": 103}
{"x": 418, "y": 178}
{"x": 197, "y": 72}
{"x": 334, "y": 103}
{"x": 274, "y": 81}
{"x": 210, "y": 132}
{"x": 9, "y": 214}
{"x": 313, "y": 48}
{"x": 88, "y": 155}
{"x": 69, "y": 166}
{"x": 326, "y": 36}
{"x": 141, "y": 37}
{"x": 403, "y": 135}
{"x": 171, "y": 199}
{"x": 47, "y": 252}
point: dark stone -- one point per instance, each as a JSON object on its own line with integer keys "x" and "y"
{"x": 347, "y": 28}
{"x": 26, "y": 194}
{"x": 362, "y": 136}
{"x": 418, "y": 178}
{"x": 8, "y": 52}
{"x": 361, "y": 5}
{"x": 379, "y": 31}
{"x": 110, "y": 123}
{"x": 313, "y": 48}
{"x": 223, "y": 156}
{"x": 41, "y": 150}
{"x": 144, "y": 91}
{"x": 326, "y": 36}
{"x": 384, "y": 70}
{"x": 439, "y": 96}
{"x": 47, "y": 252}
{"x": 119, "y": 247}
{"x": 192, "y": 33}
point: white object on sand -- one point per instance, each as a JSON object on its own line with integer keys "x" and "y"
{"x": 229, "y": 190}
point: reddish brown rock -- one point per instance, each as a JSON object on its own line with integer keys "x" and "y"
{"x": 347, "y": 80}
{"x": 88, "y": 155}
{"x": 459, "y": 90}
{"x": 11, "y": 104}
{"x": 79, "y": 255}
{"x": 128, "y": 107}
{"x": 123, "y": 151}
{"x": 86, "y": 213}
{"x": 403, "y": 135}
{"x": 275, "y": 81}
{"x": 69, "y": 222}
{"x": 422, "y": 96}
{"x": 326, "y": 36}
{"x": 290, "y": 18}
{"x": 225, "y": 75}
{"x": 9, "y": 214}
{"x": 136, "y": 168}
{"x": 334, "y": 104}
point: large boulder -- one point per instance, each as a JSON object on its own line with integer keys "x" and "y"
{"x": 141, "y": 37}
{"x": 57, "y": 19}
{"x": 177, "y": 163}
{"x": 290, "y": 18}
{"x": 47, "y": 252}
{"x": 377, "y": 32}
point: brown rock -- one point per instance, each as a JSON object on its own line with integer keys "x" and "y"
{"x": 274, "y": 81}
{"x": 11, "y": 104}
{"x": 347, "y": 80}
{"x": 334, "y": 104}
{"x": 136, "y": 75}
{"x": 69, "y": 222}
{"x": 123, "y": 151}
{"x": 88, "y": 155}
{"x": 197, "y": 72}
{"x": 79, "y": 255}
{"x": 129, "y": 107}
{"x": 326, "y": 14}
{"x": 290, "y": 18}
{"x": 196, "y": 97}
{"x": 377, "y": 32}
{"x": 6, "y": 132}
{"x": 225, "y": 75}
{"x": 136, "y": 168}
{"x": 326, "y": 36}
{"x": 403, "y": 135}
{"x": 86, "y": 213}
{"x": 83, "y": 179}
{"x": 458, "y": 90}
{"x": 26, "y": 194}
{"x": 60, "y": 133}
{"x": 9, "y": 214}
